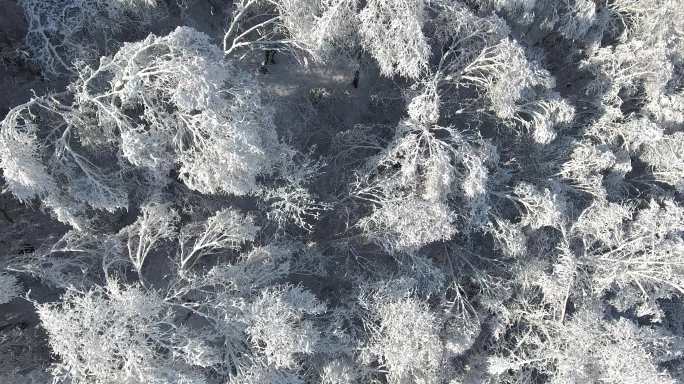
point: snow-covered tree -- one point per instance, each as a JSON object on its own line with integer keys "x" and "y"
{"x": 610, "y": 351}
{"x": 50, "y": 166}
{"x": 289, "y": 199}
{"x": 117, "y": 334}
{"x": 60, "y": 32}
{"x": 74, "y": 260}
{"x": 293, "y": 204}
{"x": 260, "y": 372}
{"x": 156, "y": 223}
{"x": 634, "y": 250}
{"x": 392, "y": 32}
{"x": 200, "y": 112}
{"x": 25, "y": 174}
{"x": 478, "y": 54}
{"x": 227, "y": 229}
{"x": 507, "y": 79}
{"x": 640, "y": 62}
{"x": 413, "y": 183}
{"x": 577, "y": 19}
{"x": 162, "y": 104}
{"x": 9, "y": 288}
{"x": 625, "y": 68}
{"x": 666, "y": 158}
{"x": 325, "y": 28}
{"x": 280, "y": 325}
{"x": 319, "y": 29}
{"x": 517, "y": 11}
{"x": 339, "y": 372}
{"x": 463, "y": 35}
{"x": 586, "y": 166}
{"x": 541, "y": 208}
{"x": 397, "y": 323}
{"x": 336, "y": 29}
{"x": 408, "y": 224}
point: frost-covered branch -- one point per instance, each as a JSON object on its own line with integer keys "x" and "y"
{"x": 227, "y": 229}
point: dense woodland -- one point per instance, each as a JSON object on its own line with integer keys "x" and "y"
{"x": 341, "y": 191}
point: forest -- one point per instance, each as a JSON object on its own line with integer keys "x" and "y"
{"x": 341, "y": 191}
